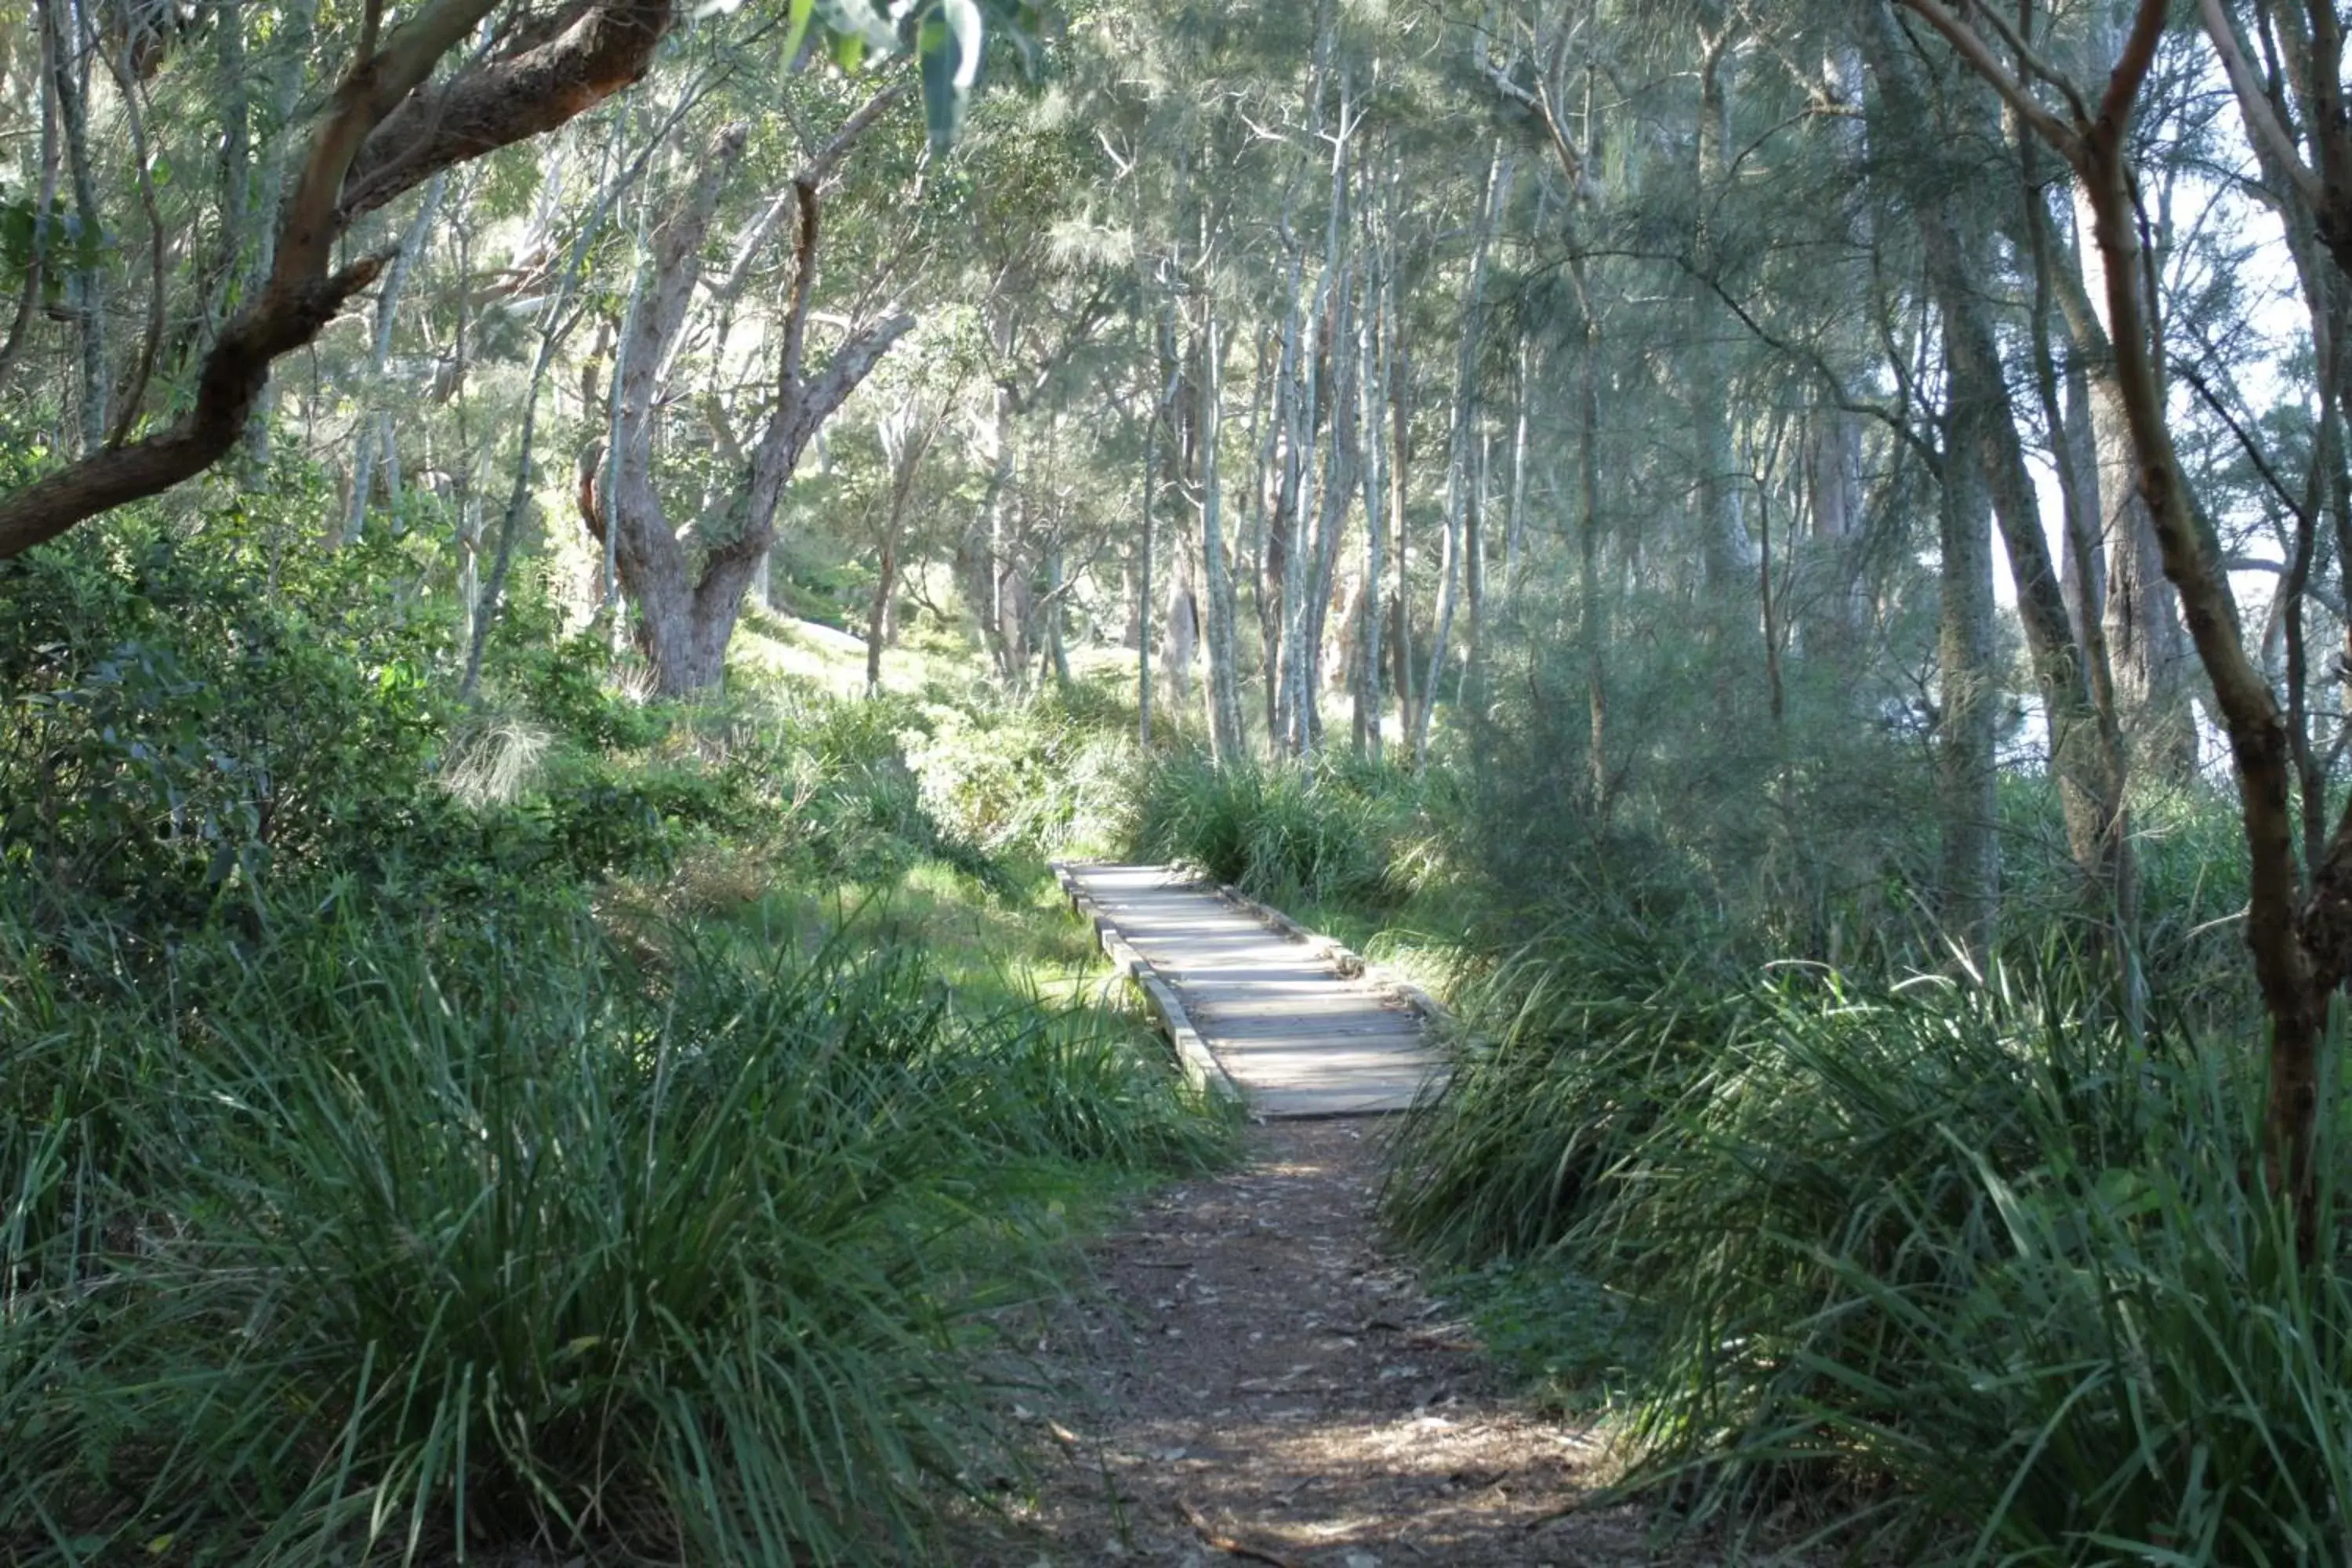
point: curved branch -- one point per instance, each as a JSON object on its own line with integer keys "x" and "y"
{"x": 2013, "y": 92}
{"x": 384, "y": 133}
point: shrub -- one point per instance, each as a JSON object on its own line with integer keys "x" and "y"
{"x": 188, "y": 717}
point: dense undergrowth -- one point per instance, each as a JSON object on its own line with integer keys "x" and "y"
{"x": 1844, "y": 1238}
{"x": 558, "y": 1123}
{"x": 567, "y": 1122}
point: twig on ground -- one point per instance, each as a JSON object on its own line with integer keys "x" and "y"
{"x": 1225, "y": 1544}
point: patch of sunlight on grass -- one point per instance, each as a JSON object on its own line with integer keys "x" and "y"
{"x": 1405, "y": 942}
{"x": 988, "y": 947}
{"x": 771, "y": 641}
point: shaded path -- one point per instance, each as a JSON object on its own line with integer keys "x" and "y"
{"x": 1254, "y": 1380}
{"x": 1272, "y": 1010}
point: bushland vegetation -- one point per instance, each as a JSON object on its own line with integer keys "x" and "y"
{"x": 560, "y": 572}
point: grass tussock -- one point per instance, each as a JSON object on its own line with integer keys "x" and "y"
{"x": 395, "y": 1249}
{"x": 1336, "y": 831}
{"x": 1956, "y": 1267}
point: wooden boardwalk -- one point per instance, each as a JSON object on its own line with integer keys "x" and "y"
{"x": 1268, "y": 1011}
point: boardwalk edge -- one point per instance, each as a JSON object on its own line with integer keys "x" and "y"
{"x": 1199, "y": 1064}
{"x": 1338, "y": 954}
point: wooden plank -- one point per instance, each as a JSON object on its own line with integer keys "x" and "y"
{"x": 1280, "y": 1013}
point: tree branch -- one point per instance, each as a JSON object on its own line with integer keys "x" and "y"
{"x": 1973, "y": 48}
{"x": 2263, "y": 121}
{"x": 381, "y": 135}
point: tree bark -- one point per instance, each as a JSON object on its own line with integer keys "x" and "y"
{"x": 2085, "y": 754}
{"x": 1724, "y": 545}
{"x": 686, "y": 615}
{"x": 1460, "y": 448}
{"x": 1373, "y": 352}
{"x": 1227, "y": 738}
{"x": 85, "y": 285}
{"x": 1971, "y": 690}
{"x": 375, "y": 433}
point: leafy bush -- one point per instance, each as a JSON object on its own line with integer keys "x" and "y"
{"x": 185, "y": 717}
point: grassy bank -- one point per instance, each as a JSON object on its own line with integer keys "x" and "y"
{"x": 560, "y": 1123}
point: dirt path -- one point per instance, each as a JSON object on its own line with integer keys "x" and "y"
{"x": 1255, "y": 1380}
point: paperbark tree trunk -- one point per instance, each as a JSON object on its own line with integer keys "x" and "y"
{"x": 1399, "y": 410}
{"x": 1154, "y": 417}
{"x": 72, "y": 48}
{"x": 1343, "y": 456}
{"x": 1592, "y": 626}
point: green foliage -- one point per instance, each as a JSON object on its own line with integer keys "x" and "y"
{"x": 186, "y": 718}
{"x": 1057, "y": 771}
{"x": 498, "y": 1237}
{"x": 1336, "y": 830}
{"x": 1958, "y": 1261}
{"x": 1575, "y": 1044}
{"x": 388, "y": 1168}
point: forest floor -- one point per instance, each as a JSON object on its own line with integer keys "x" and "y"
{"x": 1253, "y": 1379}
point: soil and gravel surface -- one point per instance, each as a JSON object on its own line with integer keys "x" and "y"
{"x": 1255, "y": 1380}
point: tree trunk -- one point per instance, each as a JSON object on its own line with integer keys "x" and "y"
{"x": 376, "y": 436}
{"x": 1460, "y": 450}
{"x": 2086, "y": 758}
{"x": 1226, "y": 735}
{"x": 1724, "y": 545}
{"x": 1343, "y": 456}
{"x": 1400, "y": 389}
{"x": 2142, "y": 625}
{"x": 1151, "y": 420}
{"x": 1373, "y": 355}
{"x": 1591, "y": 629}
{"x": 85, "y": 285}
{"x": 1970, "y": 692}
{"x": 1514, "y": 526}
{"x": 686, "y": 616}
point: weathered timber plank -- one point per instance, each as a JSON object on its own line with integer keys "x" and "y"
{"x": 1280, "y": 1013}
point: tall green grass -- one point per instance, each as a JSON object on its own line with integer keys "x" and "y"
{"x": 1959, "y": 1264}
{"x": 1578, "y": 1040}
{"x": 1336, "y": 831}
{"x": 457, "y": 1243}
